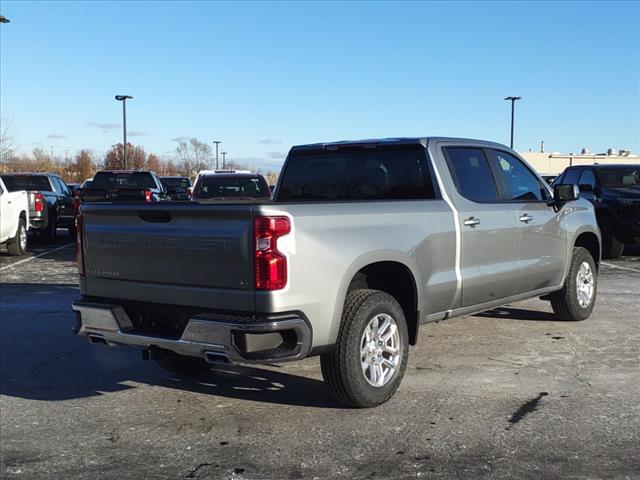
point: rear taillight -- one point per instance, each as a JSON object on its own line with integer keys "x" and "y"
{"x": 38, "y": 203}
{"x": 76, "y": 200}
{"x": 270, "y": 264}
{"x": 79, "y": 249}
{"x": 189, "y": 192}
{"x": 147, "y": 195}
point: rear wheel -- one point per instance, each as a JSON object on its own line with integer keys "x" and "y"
{"x": 51, "y": 233}
{"x": 17, "y": 246}
{"x": 367, "y": 365}
{"x": 183, "y": 365}
{"x": 578, "y": 296}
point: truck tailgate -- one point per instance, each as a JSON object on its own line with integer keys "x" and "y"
{"x": 154, "y": 251}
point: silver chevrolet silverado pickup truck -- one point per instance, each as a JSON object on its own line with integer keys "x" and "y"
{"x": 361, "y": 244}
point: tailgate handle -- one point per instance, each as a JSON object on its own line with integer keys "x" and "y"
{"x": 155, "y": 217}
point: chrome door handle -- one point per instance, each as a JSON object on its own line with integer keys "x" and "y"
{"x": 526, "y": 218}
{"x": 472, "y": 222}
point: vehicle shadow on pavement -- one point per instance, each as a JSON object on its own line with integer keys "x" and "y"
{"x": 511, "y": 313}
{"x": 41, "y": 359}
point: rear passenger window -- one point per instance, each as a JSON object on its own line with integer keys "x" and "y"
{"x": 472, "y": 174}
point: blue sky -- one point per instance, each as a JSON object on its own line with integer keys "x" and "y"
{"x": 263, "y": 76}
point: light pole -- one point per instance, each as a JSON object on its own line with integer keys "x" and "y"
{"x": 224, "y": 158}
{"x": 217, "y": 142}
{"x": 123, "y": 99}
{"x": 513, "y": 103}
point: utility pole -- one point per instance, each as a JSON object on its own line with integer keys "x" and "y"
{"x": 224, "y": 160}
{"x": 217, "y": 142}
{"x": 123, "y": 99}
{"x": 513, "y": 103}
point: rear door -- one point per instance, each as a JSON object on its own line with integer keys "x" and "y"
{"x": 542, "y": 242}
{"x": 489, "y": 228}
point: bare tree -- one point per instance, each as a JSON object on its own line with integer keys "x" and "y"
{"x": 193, "y": 156}
{"x": 6, "y": 141}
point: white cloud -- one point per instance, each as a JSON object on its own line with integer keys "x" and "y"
{"x": 270, "y": 141}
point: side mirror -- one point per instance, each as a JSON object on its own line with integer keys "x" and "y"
{"x": 585, "y": 187}
{"x": 565, "y": 193}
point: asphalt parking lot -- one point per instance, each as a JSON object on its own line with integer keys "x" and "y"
{"x": 509, "y": 393}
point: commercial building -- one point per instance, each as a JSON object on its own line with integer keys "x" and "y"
{"x": 545, "y": 162}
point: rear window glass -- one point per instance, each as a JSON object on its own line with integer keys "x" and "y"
{"x": 15, "y": 183}
{"x": 175, "y": 183}
{"x": 219, "y": 186}
{"x": 375, "y": 174}
{"x": 620, "y": 177}
{"x": 124, "y": 180}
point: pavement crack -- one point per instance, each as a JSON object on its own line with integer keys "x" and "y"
{"x": 194, "y": 471}
{"x": 57, "y": 357}
{"x": 526, "y": 408}
{"x": 508, "y": 362}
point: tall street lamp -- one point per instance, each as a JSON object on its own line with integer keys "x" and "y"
{"x": 123, "y": 99}
{"x": 217, "y": 142}
{"x": 513, "y": 103}
{"x": 224, "y": 158}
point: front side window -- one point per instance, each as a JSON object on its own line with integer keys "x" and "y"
{"x": 587, "y": 178}
{"x": 520, "y": 182}
{"x": 571, "y": 177}
{"x": 471, "y": 173}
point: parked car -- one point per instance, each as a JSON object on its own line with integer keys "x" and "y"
{"x": 178, "y": 188}
{"x": 225, "y": 185}
{"x": 73, "y": 187}
{"x": 87, "y": 183}
{"x": 124, "y": 186}
{"x": 614, "y": 190}
{"x": 14, "y": 219}
{"x": 51, "y": 205}
{"x": 362, "y": 243}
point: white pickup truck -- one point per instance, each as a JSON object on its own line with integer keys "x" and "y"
{"x": 14, "y": 220}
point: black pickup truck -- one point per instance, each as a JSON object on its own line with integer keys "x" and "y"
{"x": 614, "y": 191}
{"x": 51, "y": 204}
{"x": 124, "y": 186}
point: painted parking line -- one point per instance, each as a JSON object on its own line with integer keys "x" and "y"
{"x": 619, "y": 267}
{"x": 20, "y": 262}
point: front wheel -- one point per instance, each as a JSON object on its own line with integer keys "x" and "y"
{"x": 577, "y": 298}
{"x": 367, "y": 365}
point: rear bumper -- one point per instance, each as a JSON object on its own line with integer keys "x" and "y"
{"x": 214, "y": 337}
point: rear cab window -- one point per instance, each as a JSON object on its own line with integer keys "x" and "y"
{"x": 382, "y": 173}
{"x": 123, "y": 180}
{"x": 174, "y": 184}
{"x": 231, "y": 186}
{"x": 16, "y": 183}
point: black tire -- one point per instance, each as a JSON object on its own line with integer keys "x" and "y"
{"x": 565, "y": 302}
{"x": 612, "y": 248}
{"x": 17, "y": 245}
{"x": 51, "y": 233}
{"x": 341, "y": 368}
{"x": 183, "y": 365}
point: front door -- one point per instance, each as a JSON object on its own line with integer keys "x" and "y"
{"x": 488, "y": 228}
{"x": 542, "y": 241}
